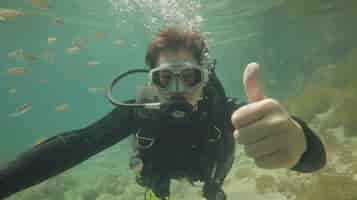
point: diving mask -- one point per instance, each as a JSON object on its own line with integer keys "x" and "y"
{"x": 170, "y": 86}
{"x": 180, "y": 78}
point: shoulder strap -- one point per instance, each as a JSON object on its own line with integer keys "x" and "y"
{"x": 215, "y": 95}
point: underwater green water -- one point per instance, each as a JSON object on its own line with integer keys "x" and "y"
{"x": 308, "y": 56}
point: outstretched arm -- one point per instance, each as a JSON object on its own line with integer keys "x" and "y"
{"x": 64, "y": 151}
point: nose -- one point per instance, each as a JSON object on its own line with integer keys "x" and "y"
{"x": 177, "y": 87}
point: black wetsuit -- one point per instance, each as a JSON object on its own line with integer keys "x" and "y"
{"x": 68, "y": 149}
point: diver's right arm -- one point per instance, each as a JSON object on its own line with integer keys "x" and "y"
{"x": 64, "y": 151}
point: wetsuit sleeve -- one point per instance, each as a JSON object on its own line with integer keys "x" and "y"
{"x": 314, "y": 158}
{"x": 64, "y": 151}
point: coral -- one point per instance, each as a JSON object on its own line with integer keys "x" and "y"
{"x": 346, "y": 70}
{"x": 245, "y": 172}
{"x": 331, "y": 186}
{"x": 331, "y": 86}
{"x": 106, "y": 196}
{"x": 264, "y": 183}
{"x": 89, "y": 194}
{"x": 330, "y": 141}
{"x": 54, "y": 189}
{"x": 344, "y": 113}
{"x": 337, "y": 180}
{"x": 313, "y": 100}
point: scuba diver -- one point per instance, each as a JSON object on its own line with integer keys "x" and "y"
{"x": 183, "y": 126}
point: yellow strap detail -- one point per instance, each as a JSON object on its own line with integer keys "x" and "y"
{"x": 150, "y": 195}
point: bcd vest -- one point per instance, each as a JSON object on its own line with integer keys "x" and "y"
{"x": 195, "y": 147}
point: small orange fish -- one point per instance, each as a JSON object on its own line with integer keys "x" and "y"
{"x": 96, "y": 90}
{"x": 16, "y": 54}
{"x": 119, "y": 43}
{"x": 99, "y": 35}
{"x": 93, "y": 63}
{"x": 17, "y": 70}
{"x": 30, "y": 58}
{"x": 21, "y": 110}
{"x": 51, "y": 40}
{"x": 72, "y": 50}
{"x": 23, "y": 107}
{"x": 79, "y": 42}
{"x": 4, "y": 12}
{"x": 62, "y": 107}
{"x": 59, "y": 21}
{"x": 43, "y": 4}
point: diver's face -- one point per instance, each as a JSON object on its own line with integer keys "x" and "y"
{"x": 171, "y": 56}
{"x": 177, "y": 56}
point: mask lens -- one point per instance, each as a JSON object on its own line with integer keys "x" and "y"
{"x": 162, "y": 78}
{"x": 191, "y": 77}
{"x": 165, "y": 78}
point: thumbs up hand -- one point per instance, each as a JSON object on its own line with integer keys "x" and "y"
{"x": 269, "y": 135}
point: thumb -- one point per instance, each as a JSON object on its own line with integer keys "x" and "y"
{"x": 251, "y": 84}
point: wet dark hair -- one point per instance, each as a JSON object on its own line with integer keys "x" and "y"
{"x": 173, "y": 38}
